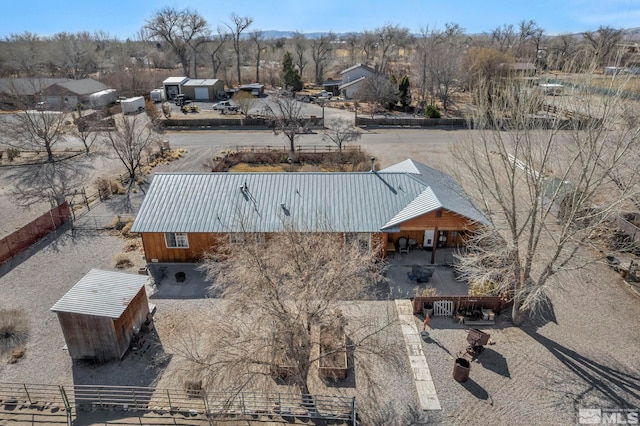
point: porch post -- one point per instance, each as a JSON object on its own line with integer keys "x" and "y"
{"x": 435, "y": 245}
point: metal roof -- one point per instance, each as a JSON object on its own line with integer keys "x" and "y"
{"x": 201, "y": 82}
{"x": 34, "y": 86}
{"x": 353, "y": 82}
{"x": 175, "y": 80}
{"x": 86, "y": 86}
{"x": 356, "y": 66}
{"x": 271, "y": 202}
{"x": 101, "y": 293}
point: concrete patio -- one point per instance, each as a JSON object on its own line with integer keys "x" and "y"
{"x": 443, "y": 278}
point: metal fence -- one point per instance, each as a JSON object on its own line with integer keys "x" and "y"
{"x": 69, "y": 400}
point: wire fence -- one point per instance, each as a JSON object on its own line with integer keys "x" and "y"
{"x": 193, "y": 402}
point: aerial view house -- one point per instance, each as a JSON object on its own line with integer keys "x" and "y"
{"x": 185, "y": 214}
{"x": 352, "y": 79}
{"x": 101, "y": 313}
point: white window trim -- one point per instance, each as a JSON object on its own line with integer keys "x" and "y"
{"x": 181, "y": 240}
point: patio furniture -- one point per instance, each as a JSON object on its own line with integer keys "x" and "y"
{"x": 403, "y": 246}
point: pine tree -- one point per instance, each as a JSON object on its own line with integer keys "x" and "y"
{"x": 289, "y": 75}
{"x": 403, "y": 87}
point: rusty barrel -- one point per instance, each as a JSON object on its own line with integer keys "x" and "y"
{"x": 461, "y": 369}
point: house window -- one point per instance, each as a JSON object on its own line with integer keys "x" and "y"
{"x": 176, "y": 240}
{"x": 236, "y": 238}
{"x": 362, "y": 238}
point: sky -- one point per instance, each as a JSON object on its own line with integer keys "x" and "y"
{"x": 123, "y": 18}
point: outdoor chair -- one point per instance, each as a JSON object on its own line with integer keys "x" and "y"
{"x": 403, "y": 246}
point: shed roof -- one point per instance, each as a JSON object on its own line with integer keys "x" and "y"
{"x": 175, "y": 80}
{"x": 353, "y": 82}
{"x": 269, "y": 202}
{"x": 199, "y": 82}
{"x": 101, "y": 293}
{"x": 34, "y": 86}
{"x": 86, "y": 86}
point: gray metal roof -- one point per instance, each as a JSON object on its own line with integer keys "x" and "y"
{"x": 201, "y": 82}
{"x": 101, "y": 293}
{"x": 338, "y": 202}
{"x": 86, "y": 86}
{"x": 175, "y": 80}
{"x": 34, "y": 86}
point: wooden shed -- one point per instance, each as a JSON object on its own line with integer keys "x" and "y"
{"x": 101, "y": 313}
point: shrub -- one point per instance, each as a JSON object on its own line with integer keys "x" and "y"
{"x": 16, "y": 354}
{"x": 428, "y": 291}
{"x": 104, "y": 187}
{"x": 120, "y": 222}
{"x": 12, "y": 153}
{"x": 125, "y": 230}
{"x": 14, "y": 328}
{"x": 131, "y": 245}
{"x": 432, "y": 112}
{"x": 482, "y": 288}
{"x": 122, "y": 261}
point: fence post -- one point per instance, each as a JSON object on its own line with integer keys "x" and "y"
{"x": 65, "y": 401}
{"x": 169, "y": 399}
{"x": 353, "y": 411}
{"x": 84, "y": 197}
{"x": 27, "y": 392}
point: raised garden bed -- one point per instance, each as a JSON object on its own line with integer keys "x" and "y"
{"x": 333, "y": 354}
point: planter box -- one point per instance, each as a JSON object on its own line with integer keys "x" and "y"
{"x": 334, "y": 365}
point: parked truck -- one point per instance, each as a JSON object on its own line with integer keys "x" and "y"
{"x": 132, "y": 105}
{"x": 225, "y": 107}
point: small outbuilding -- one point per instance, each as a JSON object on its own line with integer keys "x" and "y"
{"x": 101, "y": 313}
{"x": 173, "y": 86}
{"x": 256, "y": 89}
{"x": 208, "y": 89}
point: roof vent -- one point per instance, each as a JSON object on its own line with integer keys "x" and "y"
{"x": 373, "y": 161}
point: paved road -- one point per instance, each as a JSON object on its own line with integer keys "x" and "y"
{"x": 431, "y": 146}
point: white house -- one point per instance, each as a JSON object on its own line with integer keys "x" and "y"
{"x": 352, "y": 79}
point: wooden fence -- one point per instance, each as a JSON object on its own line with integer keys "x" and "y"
{"x": 299, "y": 148}
{"x": 194, "y": 403}
{"x": 24, "y": 237}
{"x": 495, "y": 303}
{"x": 410, "y": 122}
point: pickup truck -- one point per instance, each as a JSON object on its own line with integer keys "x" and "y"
{"x": 225, "y": 106}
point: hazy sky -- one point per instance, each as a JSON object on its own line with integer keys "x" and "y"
{"x": 122, "y": 18}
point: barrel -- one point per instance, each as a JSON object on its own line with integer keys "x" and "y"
{"x": 461, "y": 370}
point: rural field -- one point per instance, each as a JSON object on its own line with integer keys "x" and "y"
{"x": 584, "y": 354}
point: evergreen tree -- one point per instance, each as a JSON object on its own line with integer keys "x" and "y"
{"x": 403, "y": 88}
{"x": 289, "y": 75}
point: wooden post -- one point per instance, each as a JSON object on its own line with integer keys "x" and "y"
{"x": 435, "y": 245}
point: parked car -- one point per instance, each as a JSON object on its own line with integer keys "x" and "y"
{"x": 225, "y": 106}
{"x": 325, "y": 95}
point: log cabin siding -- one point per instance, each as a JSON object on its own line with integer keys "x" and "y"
{"x": 156, "y": 250}
{"x": 446, "y": 221}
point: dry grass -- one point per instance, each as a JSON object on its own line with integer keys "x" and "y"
{"x": 256, "y": 168}
{"x": 14, "y": 329}
{"x": 122, "y": 261}
{"x": 17, "y": 354}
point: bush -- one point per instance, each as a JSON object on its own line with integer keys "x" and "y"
{"x": 122, "y": 261}
{"x": 125, "y": 230}
{"x": 14, "y": 329}
{"x": 482, "y": 288}
{"x": 12, "y": 153}
{"x": 428, "y": 291}
{"x": 120, "y": 222}
{"x": 104, "y": 187}
{"x": 432, "y": 112}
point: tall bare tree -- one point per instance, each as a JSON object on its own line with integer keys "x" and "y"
{"x": 300, "y": 44}
{"x": 184, "y": 30}
{"x": 389, "y": 39}
{"x": 547, "y": 184}
{"x": 291, "y": 295}
{"x": 130, "y": 141}
{"x": 379, "y": 92}
{"x": 603, "y": 44}
{"x": 285, "y": 115}
{"x": 216, "y": 51}
{"x": 237, "y": 25}
{"x": 257, "y": 38}
{"x": 74, "y": 54}
{"x": 320, "y": 49}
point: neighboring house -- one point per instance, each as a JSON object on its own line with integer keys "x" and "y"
{"x": 186, "y": 214}
{"x": 101, "y": 314}
{"x": 352, "y": 79}
{"x": 55, "y": 92}
{"x": 209, "y": 89}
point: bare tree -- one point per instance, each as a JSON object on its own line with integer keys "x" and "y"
{"x": 236, "y": 27}
{"x": 74, "y": 54}
{"x": 546, "y": 184}
{"x": 603, "y": 44}
{"x": 300, "y": 44}
{"x": 216, "y": 50}
{"x": 340, "y": 132}
{"x": 389, "y": 39}
{"x": 291, "y": 294}
{"x": 257, "y": 37}
{"x": 320, "y": 48}
{"x": 184, "y": 30}
{"x": 39, "y": 131}
{"x": 285, "y": 115}
{"x": 130, "y": 141}
{"x": 379, "y": 92}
